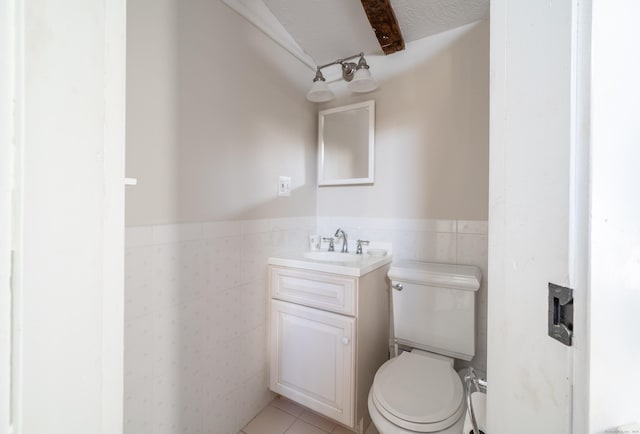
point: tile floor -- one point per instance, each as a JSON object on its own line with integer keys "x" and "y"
{"x": 282, "y": 416}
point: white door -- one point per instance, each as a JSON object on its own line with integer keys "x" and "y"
{"x": 614, "y": 238}
{"x": 534, "y": 210}
{"x": 312, "y": 358}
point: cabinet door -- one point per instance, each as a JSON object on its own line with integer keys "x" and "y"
{"x": 312, "y": 359}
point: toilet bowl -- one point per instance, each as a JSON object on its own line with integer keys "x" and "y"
{"x": 417, "y": 392}
{"x": 433, "y": 312}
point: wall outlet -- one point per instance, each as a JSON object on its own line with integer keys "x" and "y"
{"x": 284, "y": 186}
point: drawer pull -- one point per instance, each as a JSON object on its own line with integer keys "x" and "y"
{"x": 346, "y": 340}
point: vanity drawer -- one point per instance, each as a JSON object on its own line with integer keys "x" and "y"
{"x": 325, "y": 291}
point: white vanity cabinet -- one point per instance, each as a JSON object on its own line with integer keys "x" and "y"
{"x": 328, "y": 336}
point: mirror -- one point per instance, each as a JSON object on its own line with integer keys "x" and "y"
{"x": 345, "y": 144}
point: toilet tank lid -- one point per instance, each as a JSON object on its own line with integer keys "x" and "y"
{"x": 466, "y": 277}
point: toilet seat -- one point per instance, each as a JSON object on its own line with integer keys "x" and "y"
{"x": 418, "y": 392}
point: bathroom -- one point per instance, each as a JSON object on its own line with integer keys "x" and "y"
{"x": 205, "y": 214}
{"x": 209, "y": 130}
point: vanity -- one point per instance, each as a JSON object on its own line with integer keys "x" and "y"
{"x": 329, "y": 331}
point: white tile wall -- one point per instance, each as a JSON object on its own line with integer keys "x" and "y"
{"x": 196, "y": 323}
{"x": 448, "y": 241}
{"x": 196, "y": 317}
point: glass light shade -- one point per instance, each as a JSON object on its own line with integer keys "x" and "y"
{"x": 363, "y": 81}
{"x": 320, "y": 92}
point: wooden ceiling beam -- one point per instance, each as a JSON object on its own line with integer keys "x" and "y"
{"x": 385, "y": 25}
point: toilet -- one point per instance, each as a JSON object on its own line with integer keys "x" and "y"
{"x": 433, "y": 314}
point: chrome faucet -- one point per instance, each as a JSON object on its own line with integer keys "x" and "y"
{"x": 341, "y": 234}
{"x": 330, "y": 240}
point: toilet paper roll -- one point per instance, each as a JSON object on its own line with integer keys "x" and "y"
{"x": 479, "y": 403}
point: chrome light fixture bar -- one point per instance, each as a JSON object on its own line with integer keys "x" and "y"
{"x": 357, "y": 74}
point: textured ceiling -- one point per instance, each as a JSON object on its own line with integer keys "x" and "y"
{"x": 421, "y": 18}
{"x": 330, "y": 29}
{"x": 320, "y": 31}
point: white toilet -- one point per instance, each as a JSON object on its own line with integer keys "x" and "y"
{"x": 434, "y": 314}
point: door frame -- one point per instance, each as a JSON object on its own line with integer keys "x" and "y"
{"x": 524, "y": 132}
{"x": 108, "y": 366}
{"x": 579, "y": 214}
{"x": 7, "y": 162}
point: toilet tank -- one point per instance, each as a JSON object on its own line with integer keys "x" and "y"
{"x": 435, "y": 309}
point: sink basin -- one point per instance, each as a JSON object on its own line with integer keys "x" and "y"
{"x": 333, "y": 256}
{"x": 346, "y": 264}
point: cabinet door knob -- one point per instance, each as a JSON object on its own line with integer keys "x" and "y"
{"x": 346, "y": 340}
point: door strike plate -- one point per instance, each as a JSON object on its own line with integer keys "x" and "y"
{"x": 561, "y": 313}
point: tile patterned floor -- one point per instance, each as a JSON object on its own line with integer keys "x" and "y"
{"x": 282, "y": 416}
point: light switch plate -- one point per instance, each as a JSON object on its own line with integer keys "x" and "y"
{"x": 284, "y": 186}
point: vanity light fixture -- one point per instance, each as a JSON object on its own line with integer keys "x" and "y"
{"x": 357, "y": 74}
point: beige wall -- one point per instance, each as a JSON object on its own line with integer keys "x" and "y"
{"x": 432, "y": 132}
{"x": 211, "y": 124}
{"x": 215, "y": 112}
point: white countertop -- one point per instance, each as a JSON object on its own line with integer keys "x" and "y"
{"x": 362, "y": 265}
